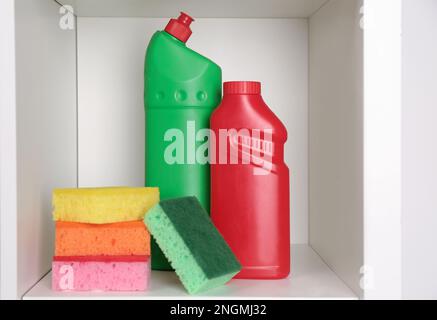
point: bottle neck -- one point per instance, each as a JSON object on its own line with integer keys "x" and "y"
{"x": 246, "y": 101}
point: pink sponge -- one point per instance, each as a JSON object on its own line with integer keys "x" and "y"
{"x": 103, "y": 273}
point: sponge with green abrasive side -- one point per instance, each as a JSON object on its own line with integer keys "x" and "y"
{"x": 196, "y": 250}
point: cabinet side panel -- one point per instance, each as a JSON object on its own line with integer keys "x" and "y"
{"x": 46, "y": 129}
{"x": 8, "y": 170}
{"x": 336, "y": 138}
{"x": 419, "y": 142}
{"x": 382, "y": 149}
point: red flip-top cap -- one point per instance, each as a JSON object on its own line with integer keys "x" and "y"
{"x": 180, "y": 27}
{"x": 242, "y": 87}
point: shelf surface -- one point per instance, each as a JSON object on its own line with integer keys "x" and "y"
{"x": 311, "y": 279}
{"x": 196, "y": 8}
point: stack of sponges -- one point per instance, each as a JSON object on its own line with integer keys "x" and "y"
{"x": 101, "y": 240}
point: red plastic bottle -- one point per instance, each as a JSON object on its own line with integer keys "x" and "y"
{"x": 250, "y": 203}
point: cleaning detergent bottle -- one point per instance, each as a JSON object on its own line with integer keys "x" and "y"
{"x": 250, "y": 201}
{"x": 182, "y": 88}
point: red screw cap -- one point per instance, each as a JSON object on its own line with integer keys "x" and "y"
{"x": 242, "y": 87}
{"x": 180, "y": 27}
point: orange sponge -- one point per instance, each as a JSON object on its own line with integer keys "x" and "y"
{"x": 116, "y": 239}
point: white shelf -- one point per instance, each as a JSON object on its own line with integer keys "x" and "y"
{"x": 196, "y": 8}
{"x": 311, "y": 279}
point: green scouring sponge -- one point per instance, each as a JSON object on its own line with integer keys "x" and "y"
{"x": 196, "y": 250}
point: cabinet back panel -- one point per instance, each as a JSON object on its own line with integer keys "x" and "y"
{"x": 111, "y": 112}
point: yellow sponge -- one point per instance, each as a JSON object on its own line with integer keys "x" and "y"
{"x": 103, "y": 205}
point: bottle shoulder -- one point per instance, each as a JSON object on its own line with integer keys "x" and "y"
{"x": 165, "y": 49}
{"x": 248, "y": 112}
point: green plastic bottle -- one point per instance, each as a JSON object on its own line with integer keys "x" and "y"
{"x": 182, "y": 88}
